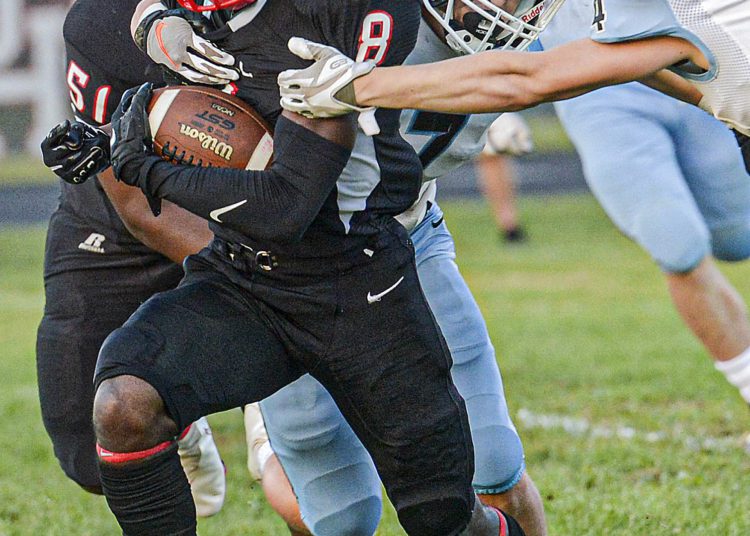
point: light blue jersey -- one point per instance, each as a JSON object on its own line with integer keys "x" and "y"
{"x": 668, "y": 175}
{"x": 442, "y": 141}
{"x": 615, "y": 21}
{"x": 720, "y": 29}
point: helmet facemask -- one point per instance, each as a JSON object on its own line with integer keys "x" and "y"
{"x": 486, "y": 26}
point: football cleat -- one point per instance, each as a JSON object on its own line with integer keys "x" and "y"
{"x": 515, "y": 235}
{"x": 203, "y": 466}
{"x": 258, "y": 446}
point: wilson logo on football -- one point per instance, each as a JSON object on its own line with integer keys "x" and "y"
{"x": 220, "y": 148}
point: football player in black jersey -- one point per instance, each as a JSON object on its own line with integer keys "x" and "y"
{"x": 105, "y": 255}
{"x": 294, "y": 282}
{"x": 318, "y": 451}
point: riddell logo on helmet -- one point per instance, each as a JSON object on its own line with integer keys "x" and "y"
{"x": 535, "y": 12}
{"x": 220, "y": 148}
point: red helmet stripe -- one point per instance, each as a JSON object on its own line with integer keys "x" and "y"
{"x": 215, "y": 5}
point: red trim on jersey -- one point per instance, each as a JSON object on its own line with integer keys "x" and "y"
{"x": 503, "y": 522}
{"x": 77, "y": 80}
{"x": 101, "y": 100}
{"x": 184, "y": 433}
{"x": 120, "y": 457}
{"x": 215, "y": 5}
{"x": 372, "y": 35}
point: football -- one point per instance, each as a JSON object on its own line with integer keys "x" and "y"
{"x": 204, "y": 126}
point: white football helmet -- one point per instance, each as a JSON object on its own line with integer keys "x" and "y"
{"x": 486, "y": 26}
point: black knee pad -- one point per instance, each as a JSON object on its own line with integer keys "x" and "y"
{"x": 128, "y": 351}
{"x": 77, "y": 458}
{"x": 442, "y": 517}
{"x": 76, "y": 454}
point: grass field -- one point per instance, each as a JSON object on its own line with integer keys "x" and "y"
{"x": 627, "y": 428}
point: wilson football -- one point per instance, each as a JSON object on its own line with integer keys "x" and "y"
{"x": 204, "y": 126}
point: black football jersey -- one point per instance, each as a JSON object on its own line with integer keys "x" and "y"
{"x": 102, "y": 62}
{"x": 384, "y": 175}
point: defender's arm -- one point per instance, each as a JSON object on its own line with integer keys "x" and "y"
{"x": 507, "y": 81}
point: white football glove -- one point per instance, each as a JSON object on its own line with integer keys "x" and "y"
{"x": 509, "y": 134}
{"x": 170, "y": 40}
{"x": 324, "y": 89}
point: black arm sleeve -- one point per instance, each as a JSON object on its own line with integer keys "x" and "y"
{"x": 278, "y": 204}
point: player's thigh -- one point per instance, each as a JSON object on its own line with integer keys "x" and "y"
{"x": 498, "y": 452}
{"x": 83, "y": 306}
{"x": 204, "y": 346}
{"x": 80, "y": 312}
{"x": 332, "y": 474}
{"x": 631, "y": 167}
{"x": 389, "y": 373}
{"x": 715, "y": 173}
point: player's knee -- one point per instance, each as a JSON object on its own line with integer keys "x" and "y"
{"x": 439, "y": 517}
{"x": 344, "y": 498}
{"x": 128, "y": 414}
{"x": 291, "y": 423}
{"x": 358, "y": 518}
{"x": 731, "y": 243}
{"x": 499, "y": 460}
{"x": 676, "y": 238}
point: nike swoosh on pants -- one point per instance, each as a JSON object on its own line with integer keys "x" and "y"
{"x": 372, "y": 298}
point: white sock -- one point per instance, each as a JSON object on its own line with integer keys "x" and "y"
{"x": 737, "y": 372}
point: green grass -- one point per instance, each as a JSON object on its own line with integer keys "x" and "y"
{"x": 19, "y": 169}
{"x": 583, "y": 326}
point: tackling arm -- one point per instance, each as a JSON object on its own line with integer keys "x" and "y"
{"x": 675, "y": 86}
{"x": 496, "y": 81}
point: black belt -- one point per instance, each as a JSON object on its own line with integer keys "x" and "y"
{"x": 243, "y": 257}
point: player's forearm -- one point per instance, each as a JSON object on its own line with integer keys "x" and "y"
{"x": 278, "y": 204}
{"x": 176, "y": 233}
{"x": 499, "y": 81}
{"x": 674, "y": 85}
{"x": 472, "y": 84}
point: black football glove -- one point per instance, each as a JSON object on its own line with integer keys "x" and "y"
{"x": 744, "y": 143}
{"x": 132, "y": 155}
{"x": 76, "y": 151}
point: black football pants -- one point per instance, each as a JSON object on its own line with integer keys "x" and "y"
{"x": 88, "y": 296}
{"x": 233, "y": 333}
